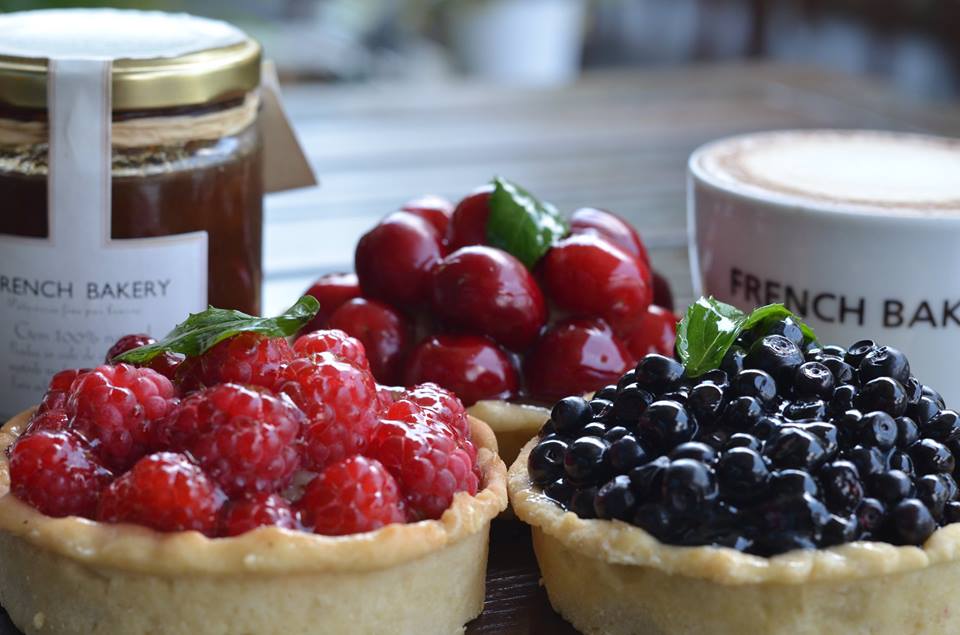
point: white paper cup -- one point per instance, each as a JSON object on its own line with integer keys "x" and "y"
{"x": 856, "y": 231}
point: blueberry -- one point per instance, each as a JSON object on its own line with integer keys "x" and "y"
{"x": 857, "y": 351}
{"x": 912, "y": 521}
{"x": 842, "y": 489}
{"x": 943, "y": 426}
{"x": 884, "y": 361}
{"x": 924, "y": 410}
{"x": 951, "y": 484}
{"x": 561, "y": 490}
{"x": 680, "y": 395}
{"x": 789, "y": 328}
{"x": 624, "y": 454}
{"x": 629, "y": 377}
{"x": 743, "y": 475}
{"x": 838, "y": 530}
{"x": 743, "y": 440}
{"x": 594, "y": 429}
{"x": 900, "y": 460}
{"x": 891, "y": 487}
{"x": 630, "y": 403}
{"x": 812, "y": 410}
{"x": 570, "y": 414}
{"x": 826, "y": 432}
{"x": 755, "y": 383}
{"x": 776, "y": 355}
{"x": 615, "y": 433}
{"x": 914, "y": 390}
{"x": 834, "y": 351}
{"x": 797, "y": 449}
{"x": 813, "y": 380}
{"x": 791, "y": 483}
{"x": 877, "y": 429}
{"x": 715, "y": 376}
{"x": 655, "y": 520}
{"x": 871, "y": 515}
{"x": 615, "y": 500}
{"x": 706, "y": 401}
{"x": 545, "y": 462}
{"x": 933, "y": 491}
{"x": 667, "y": 424}
{"x": 869, "y": 461}
{"x": 601, "y": 408}
{"x": 548, "y": 429}
{"x": 583, "y": 461}
{"x": 581, "y": 502}
{"x": 849, "y": 424}
{"x": 884, "y": 394}
{"x": 658, "y": 373}
{"x": 843, "y": 373}
{"x": 804, "y": 512}
{"x": 742, "y": 413}
{"x": 766, "y": 427}
{"x": 931, "y": 457}
{"x": 782, "y": 542}
{"x": 694, "y": 450}
{"x": 607, "y": 392}
{"x": 687, "y": 485}
{"x": 951, "y": 513}
{"x": 646, "y": 479}
{"x": 733, "y": 360}
{"x": 907, "y": 432}
{"x": 932, "y": 394}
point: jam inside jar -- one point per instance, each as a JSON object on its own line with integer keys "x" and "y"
{"x": 163, "y": 185}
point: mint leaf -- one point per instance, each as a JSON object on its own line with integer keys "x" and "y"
{"x": 521, "y": 224}
{"x": 710, "y": 328}
{"x": 202, "y": 331}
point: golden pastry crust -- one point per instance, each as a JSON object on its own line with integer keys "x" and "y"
{"x": 620, "y": 543}
{"x": 265, "y": 550}
{"x": 514, "y": 424}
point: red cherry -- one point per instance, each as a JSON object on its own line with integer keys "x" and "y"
{"x": 394, "y": 259}
{"x": 468, "y": 226}
{"x": 656, "y": 332}
{"x": 436, "y": 210}
{"x": 662, "y": 295}
{"x": 331, "y": 290}
{"x": 616, "y": 230}
{"x": 588, "y": 276}
{"x": 471, "y": 366}
{"x": 383, "y": 331}
{"x": 574, "y": 357}
{"x": 488, "y": 290}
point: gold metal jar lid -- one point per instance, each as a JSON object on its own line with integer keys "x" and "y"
{"x": 161, "y": 60}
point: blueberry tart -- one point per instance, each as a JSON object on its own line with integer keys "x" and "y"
{"x": 763, "y": 483}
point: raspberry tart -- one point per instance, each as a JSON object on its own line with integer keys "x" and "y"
{"x": 224, "y": 481}
{"x": 767, "y": 484}
{"x": 501, "y": 300}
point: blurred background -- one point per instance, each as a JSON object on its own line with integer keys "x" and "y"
{"x": 915, "y": 43}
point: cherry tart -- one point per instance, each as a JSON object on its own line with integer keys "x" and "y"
{"x": 265, "y": 488}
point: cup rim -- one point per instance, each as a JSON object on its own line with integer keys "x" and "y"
{"x": 786, "y": 202}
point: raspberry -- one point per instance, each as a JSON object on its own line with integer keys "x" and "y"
{"x": 260, "y": 510}
{"x": 165, "y": 492}
{"x": 247, "y": 358}
{"x": 341, "y": 405}
{"x": 429, "y": 465}
{"x": 351, "y": 496}
{"x": 49, "y": 420}
{"x": 244, "y": 439}
{"x": 414, "y": 414}
{"x": 339, "y": 344}
{"x": 115, "y": 408}
{"x": 59, "y": 390}
{"x": 387, "y": 395}
{"x": 57, "y": 474}
{"x": 444, "y": 403}
{"x": 165, "y": 363}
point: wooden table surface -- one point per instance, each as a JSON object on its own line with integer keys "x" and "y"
{"x": 615, "y": 140}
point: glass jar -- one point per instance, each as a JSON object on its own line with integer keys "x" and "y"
{"x": 163, "y": 219}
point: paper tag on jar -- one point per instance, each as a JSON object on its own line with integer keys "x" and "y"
{"x": 285, "y": 167}
{"x": 65, "y": 299}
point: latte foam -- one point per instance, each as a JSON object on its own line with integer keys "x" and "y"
{"x": 853, "y": 170}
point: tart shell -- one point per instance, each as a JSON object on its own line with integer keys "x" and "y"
{"x": 72, "y": 575}
{"x": 614, "y": 578}
{"x": 514, "y": 424}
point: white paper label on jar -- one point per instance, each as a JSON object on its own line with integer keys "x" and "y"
{"x": 65, "y": 299}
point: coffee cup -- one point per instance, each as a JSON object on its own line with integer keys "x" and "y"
{"x": 858, "y": 232}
